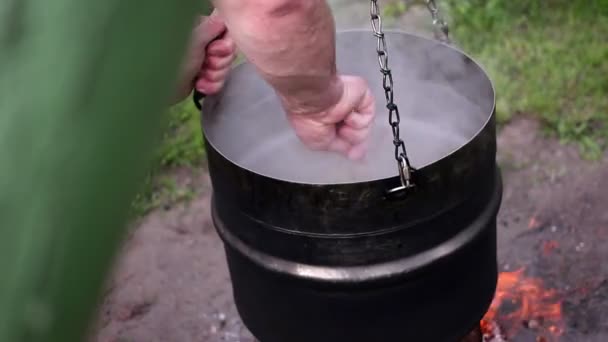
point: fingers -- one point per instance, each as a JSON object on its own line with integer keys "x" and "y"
{"x": 339, "y": 145}
{"x": 345, "y": 127}
{"x": 356, "y": 96}
{"x": 353, "y": 152}
{"x": 218, "y": 63}
{"x": 363, "y": 113}
{"x": 357, "y": 152}
{"x": 359, "y": 120}
{"x": 210, "y": 27}
{"x": 220, "y": 55}
{"x": 209, "y": 88}
{"x": 214, "y": 75}
{"x": 353, "y": 135}
{"x": 314, "y": 134}
{"x": 325, "y": 137}
{"x": 357, "y": 124}
{"x": 224, "y": 47}
{"x": 210, "y": 80}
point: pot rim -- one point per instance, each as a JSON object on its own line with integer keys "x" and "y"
{"x": 489, "y": 120}
{"x": 365, "y": 274}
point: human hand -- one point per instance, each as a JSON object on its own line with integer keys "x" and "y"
{"x": 345, "y": 126}
{"x": 209, "y": 58}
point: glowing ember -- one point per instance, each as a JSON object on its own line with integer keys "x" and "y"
{"x": 549, "y": 247}
{"x": 491, "y": 332}
{"x": 523, "y": 302}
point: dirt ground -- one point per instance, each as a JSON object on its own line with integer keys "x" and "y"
{"x": 171, "y": 283}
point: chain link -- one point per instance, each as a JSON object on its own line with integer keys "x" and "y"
{"x": 403, "y": 162}
{"x": 442, "y": 31}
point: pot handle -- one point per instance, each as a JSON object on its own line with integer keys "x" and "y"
{"x": 197, "y": 98}
{"x": 407, "y": 184}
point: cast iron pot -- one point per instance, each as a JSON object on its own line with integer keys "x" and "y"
{"x": 317, "y": 250}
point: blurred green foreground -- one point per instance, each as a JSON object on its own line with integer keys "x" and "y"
{"x": 83, "y": 92}
{"x": 83, "y": 85}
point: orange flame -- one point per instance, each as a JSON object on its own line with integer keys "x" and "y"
{"x": 524, "y": 302}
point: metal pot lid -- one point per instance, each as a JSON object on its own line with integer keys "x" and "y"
{"x": 445, "y": 100}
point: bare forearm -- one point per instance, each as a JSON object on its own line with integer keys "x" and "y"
{"x": 292, "y": 43}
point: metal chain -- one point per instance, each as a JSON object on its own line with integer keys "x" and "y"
{"x": 405, "y": 169}
{"x": 442, "y": 31}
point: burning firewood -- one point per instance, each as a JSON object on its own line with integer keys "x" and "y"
{"x": 522, "y": 302}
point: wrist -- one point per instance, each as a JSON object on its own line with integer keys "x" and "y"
{"x": 318, "y": 95}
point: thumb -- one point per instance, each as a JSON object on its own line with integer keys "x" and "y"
{"x": 211, "y": 27}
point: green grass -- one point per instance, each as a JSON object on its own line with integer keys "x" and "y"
{"x": 182, "y": 147}
{"x": 183, "y": 143}
{"x": 549, "y": 61}
{"x": 394, "y": 8}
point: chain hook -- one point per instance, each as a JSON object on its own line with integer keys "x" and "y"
{"x": 405, "y": 176}
{"x": 405, "y": 172}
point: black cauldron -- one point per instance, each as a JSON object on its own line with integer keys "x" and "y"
{"x": 317, "y": 250}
